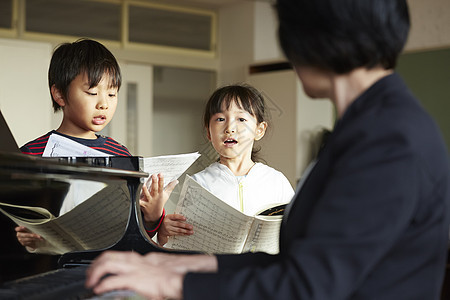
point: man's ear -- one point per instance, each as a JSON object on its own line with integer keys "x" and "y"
{"x": 208, "y": 134}
{"x": 260, "y": 131}
{"x": 57, "y": 96}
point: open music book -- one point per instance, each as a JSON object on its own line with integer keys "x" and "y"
{"x": 96, "y": 223}
{"x": 220, "y": 228}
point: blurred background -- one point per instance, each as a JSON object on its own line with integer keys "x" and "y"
{"x": 173, "y": 54}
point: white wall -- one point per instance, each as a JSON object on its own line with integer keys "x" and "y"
{"x": 313, "y": 116}
{"x": 235, "y": 40}
{"x": 278, "y": 146}
{"x": 265, "y": 37}
{"x": 136, "y": 132}
{"x": 430, "y": 24}
{"x": 24, "y": 95}
{"x": 180, "y": 96}
{"x": 295, "y": 122}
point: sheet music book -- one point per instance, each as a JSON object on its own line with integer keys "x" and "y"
{"x": 96, "y": 223}
{"x": 59, "y": 146}
{"x": 220, "y": 228}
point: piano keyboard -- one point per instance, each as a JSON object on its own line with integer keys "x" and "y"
{"x": 65, "y": 283}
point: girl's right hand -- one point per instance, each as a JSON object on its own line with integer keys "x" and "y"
{"x": 28, "y": 239}
{"x": 154, "y": 197}
{"x": 173, "y": 224}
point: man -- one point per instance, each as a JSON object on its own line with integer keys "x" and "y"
{"x": 371, "y": 219}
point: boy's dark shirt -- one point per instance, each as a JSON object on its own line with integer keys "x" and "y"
{"x": 102, "y": 143}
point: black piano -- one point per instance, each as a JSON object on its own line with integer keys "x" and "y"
{"x": 43, "y": 182}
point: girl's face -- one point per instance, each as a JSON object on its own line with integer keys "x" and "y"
{"x": 233, "y": 131}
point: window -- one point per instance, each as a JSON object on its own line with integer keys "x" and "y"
{"x": 6, "y": 14}
{"x": 170, "y": 28}
{"x": 74, "y": 17}
{"x": 145, "y": 23}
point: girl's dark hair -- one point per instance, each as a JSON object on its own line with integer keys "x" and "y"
{"x": 343, "y": 35}
{"x": 245, "y": 97}
{"x": 84, "y": 55}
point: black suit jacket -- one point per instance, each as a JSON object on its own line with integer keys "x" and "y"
{"x": 371, "y": 221}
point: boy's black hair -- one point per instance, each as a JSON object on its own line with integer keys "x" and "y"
{"x": 341, "y": 35}
{"x": 84, "y": 55}
{"x": 245, "y": 96}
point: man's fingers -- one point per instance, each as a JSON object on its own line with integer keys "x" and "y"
{"x": 113, "y": 282}
{"x": 111, "y": 262}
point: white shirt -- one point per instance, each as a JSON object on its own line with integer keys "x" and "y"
{"x": 261, "y": 187}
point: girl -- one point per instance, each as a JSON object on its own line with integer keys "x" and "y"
{"x": 234, "y": 119}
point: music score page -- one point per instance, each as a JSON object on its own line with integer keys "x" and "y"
{"x": 220, "y": 228}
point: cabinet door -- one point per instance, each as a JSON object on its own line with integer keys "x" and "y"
{"x": 132, "y": 123}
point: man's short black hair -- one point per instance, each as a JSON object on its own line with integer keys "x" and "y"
{"x": 84, "y": 55}
{"x": 341, "y": 35}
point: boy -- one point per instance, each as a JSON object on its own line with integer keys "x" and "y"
{"x": 84, "y": 79}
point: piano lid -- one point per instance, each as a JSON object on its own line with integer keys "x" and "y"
{"x": 76, "y": 167}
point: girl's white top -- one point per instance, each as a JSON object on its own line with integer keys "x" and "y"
{"x": 261, "y": 187}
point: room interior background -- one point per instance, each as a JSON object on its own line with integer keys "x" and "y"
{"x": 173, "y": 54}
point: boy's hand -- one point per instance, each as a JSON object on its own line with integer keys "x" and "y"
{"x": 173, "y": 224}
{"x": 28, "y": 239}
{"x": 152, "y": 202}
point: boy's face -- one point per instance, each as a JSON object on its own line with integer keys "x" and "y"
{"x": 88, "y": 110}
